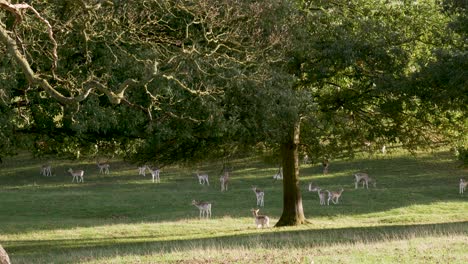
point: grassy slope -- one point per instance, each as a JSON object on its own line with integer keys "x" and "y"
{"x": 414, "y": 215}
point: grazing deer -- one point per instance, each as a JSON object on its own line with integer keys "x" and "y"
{"x": 142, "y": 170}
{"x": 78, "y": 175}
{"x": 326, "y": 166}
{"x": 4, "y": 258}
{"x": 202, "y": 179}
{"x": 224, "y": 179}
{"x": 322, "y": 195}
{"x": 463, "y": 185}
{"x": 204, "y": 207}
{"x": 155, "y": 175}
{"x": 260, "y": 220}
{"x": 260, "y": 195}
{"x": 334, "y": 196}
{"x": 103, "y": 167}
{"x": 46, "y": 170}
{"x": 364, "y": 177}
{"x": 279, "y": 174}
{"x": 313, "y": 188}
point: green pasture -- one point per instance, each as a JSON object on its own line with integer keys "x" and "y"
{"x": 415, "y": 215}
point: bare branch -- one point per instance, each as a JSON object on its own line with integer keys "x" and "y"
{"x": 114, "y": 98}
{"x": 16, "y": 10}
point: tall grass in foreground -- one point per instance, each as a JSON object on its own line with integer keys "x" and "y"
{"x": 415, "y": 215}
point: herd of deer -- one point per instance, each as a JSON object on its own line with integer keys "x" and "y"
{"x": 325, "y": 196}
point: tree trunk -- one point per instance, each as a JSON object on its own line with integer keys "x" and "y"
{"x": 293, "y": 213}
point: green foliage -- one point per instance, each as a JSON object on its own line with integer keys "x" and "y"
{"x": 214, "y": 79}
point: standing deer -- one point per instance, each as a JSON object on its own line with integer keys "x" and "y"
{"x": 279, "y": 174}
{"x": 78, "y": 175}
{"x": 322, "y": 195}
{"x": 202, "y": 179}
{"x": 204, "y": 207}
{"x": 260, "y": 220}
{"x": 463, "y": 185}
{"x": 46, "y": 170}
{"x": 142, "y": 170}
{"x": 103, "y": 167}
{"x": 155, "y": 175}
{"x": 364, "y": 177}
{"x": 326, "y": 166}
{"x": 334, "y": 196}
{"x": 224, "y": 179}
{"x": 259, "y": 194}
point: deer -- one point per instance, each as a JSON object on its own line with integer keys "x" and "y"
{"x": 322, "y": 195}
{"x": 259, "y": 194}
{"x": 462, "y": 186}
{"x": 384, "y": 149}
{"x": 224, "y": 179}
{"x": 364, "y": 177}
{"x": 46, "y": 170}
{"x": 204, "y": 207}
{"x": 103, "y": 167}
{"x": 142, "y": 170}
{"x": 202, "y": 179}
{"x": 4, "y": 258}
{"x": 260, "y": 220}
{"x": 334, "y": 196}
{"x": 313, "y": 188}
{"x": 326, "y": 166}
{"x": 155, "y": 175}
{"x": 78, "y": 175}
{"x": 279, "y": 174}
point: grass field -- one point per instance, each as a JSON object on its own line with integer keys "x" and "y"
{"x": 415, "y": 215}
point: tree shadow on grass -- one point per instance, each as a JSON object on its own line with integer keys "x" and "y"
{"x": 27, "y": 250}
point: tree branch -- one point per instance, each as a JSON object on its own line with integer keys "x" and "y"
{"x": 16, "y": 10}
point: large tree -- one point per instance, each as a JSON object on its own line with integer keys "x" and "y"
{"x": 353, "y": 63}
{"x": 141, "y": 78}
